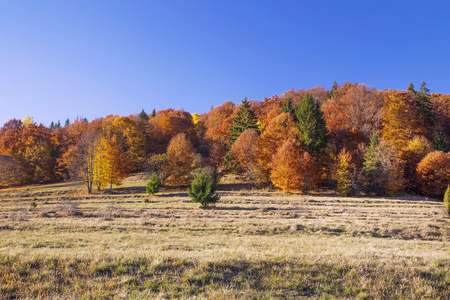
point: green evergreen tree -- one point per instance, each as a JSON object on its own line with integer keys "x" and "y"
{"x": 67, "y": 123}
{"x": 153, "y": 185}
{"x": 203, "y": 189}
{"x": 153, "y": 113}
{"x": 287, "y": 107}
{"x": 333, "y": 91}
{"x": 143, "y": 116}
{"x": 311, "y": 126}
{"x": 424, "y": 89}
{"x": 245, "y": 119}
{"x": 423, "y": 101}
{"x": 447, "y": 199}
{"x": 440, "y": 142}
{"x": 371, "y": 167}
{"x": 411, "y": 88}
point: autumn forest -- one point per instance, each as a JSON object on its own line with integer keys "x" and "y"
{"x": 350, "y": 138}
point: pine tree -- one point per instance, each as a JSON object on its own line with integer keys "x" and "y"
{"x": 203, "y": 189}
{"x": 143, "y": 116}
{"x": 425, "y": 106}
{"x": 424, "y": 89}
{"x": 287, "y": 107}
{"x": 67, "y": 123}
{"x": 440, "y": 142}
{"x": 333, "y": 91}
{"x": 153, "y": 113}
{"x": 411, "y": 88}
{"x": 245, "y": 119}
{"x": 311, "y": 126}
{"x": 371, "y": 165}
{"x": 153, "y": 185}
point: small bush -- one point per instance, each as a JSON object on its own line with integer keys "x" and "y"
{"x": 203, "y": 189}
{"x": 19, "y": 215}
{"x": 447, "y": 199}
{"x": 33, "y": 204}
{"x": 146, "y": 200}
{"x": 69, "y": 209}
{"x": 153, "y": 185}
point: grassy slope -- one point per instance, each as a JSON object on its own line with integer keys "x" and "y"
{"x": 252, "y": 245}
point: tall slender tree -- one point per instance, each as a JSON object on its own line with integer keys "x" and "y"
{"x": 311, "y": 126}
{"x": 245, "y": 119}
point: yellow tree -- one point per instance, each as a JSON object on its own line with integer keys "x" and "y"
{"x": 81, "y": 158}
{"x": 286, "y": 166}
{"x": 116, "y": 164}
{"x": 415, "y": 151}
{"x": 344, "y": 172}
{"x": 401, "y": 119}
{"x": 127, "y": 132}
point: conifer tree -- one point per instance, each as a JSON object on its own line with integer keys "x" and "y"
{"x": 203, "y": 189}
{"x": 287, "y": 107}
{"x": 440, "y": 142}
{"x": 411, "y": 88}
{"x": 333, "y": 91}
{"x": 153, "y": 185}
{"x": 143, "y": 116}
{"x": 153, "y": 113}
{"x": 311, "y": 126}
{"x": 371, "y": 165}
{"x": 425, "y": 106}
{"x": 245, "y": 119}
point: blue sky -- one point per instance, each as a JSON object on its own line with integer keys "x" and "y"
{"x": 62, "y": 59}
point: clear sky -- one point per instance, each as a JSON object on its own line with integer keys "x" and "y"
{"x": 62, "y": 59}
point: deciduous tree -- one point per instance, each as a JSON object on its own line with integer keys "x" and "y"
{"x": 181, "y": 161}
{"x": 434, "y": 174}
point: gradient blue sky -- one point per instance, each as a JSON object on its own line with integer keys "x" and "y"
{"x": 62, "y": 59}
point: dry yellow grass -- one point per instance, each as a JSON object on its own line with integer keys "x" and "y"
{"x": 253, "y": 244}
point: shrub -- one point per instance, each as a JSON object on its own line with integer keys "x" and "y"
{"x": 447, "y": 199}
{"x": 203, "y": 189}
{"x": 153, "y": 185}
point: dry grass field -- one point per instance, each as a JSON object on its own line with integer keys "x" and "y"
{"x": 58, "y": 242}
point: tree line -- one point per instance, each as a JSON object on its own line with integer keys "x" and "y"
{"x": 351, "y": 137}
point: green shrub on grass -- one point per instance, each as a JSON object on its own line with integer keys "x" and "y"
{"x": 203, "y": 189}
{"x": 153, "y": 185}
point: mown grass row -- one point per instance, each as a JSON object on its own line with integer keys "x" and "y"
{"x": 224, "y": 278}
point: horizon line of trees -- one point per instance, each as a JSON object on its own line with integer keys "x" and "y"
{"x": 351, "y": 138}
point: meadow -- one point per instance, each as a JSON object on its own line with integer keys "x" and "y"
{"x": 58, "y": 242}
